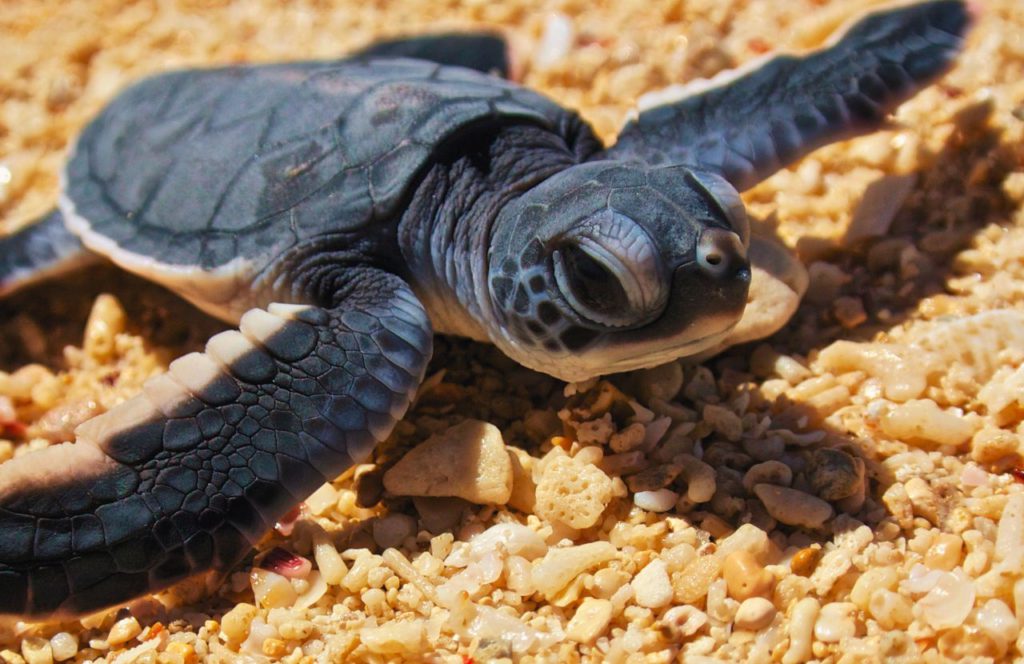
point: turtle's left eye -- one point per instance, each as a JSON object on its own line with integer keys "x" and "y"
{"x": 619, "y": 286}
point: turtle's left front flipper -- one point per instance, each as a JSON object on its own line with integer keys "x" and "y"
{"x": 188, "y": 475}
{"x": 747, "y": 124}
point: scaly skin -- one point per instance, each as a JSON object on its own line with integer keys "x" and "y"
{"x": 494, "y": 204}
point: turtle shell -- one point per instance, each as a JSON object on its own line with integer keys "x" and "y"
{"x": 200, "y": 179}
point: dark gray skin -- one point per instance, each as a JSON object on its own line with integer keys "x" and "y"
{"x": 340, "y": 214}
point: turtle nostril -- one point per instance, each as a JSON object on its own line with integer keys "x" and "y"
{"x": 721, "y": 254}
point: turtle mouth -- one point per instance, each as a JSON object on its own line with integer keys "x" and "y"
{"x": 541, "y": 330}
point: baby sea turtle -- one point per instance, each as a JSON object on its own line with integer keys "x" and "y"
{"x": 341, "y": 213}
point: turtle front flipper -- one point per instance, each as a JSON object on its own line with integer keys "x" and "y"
{"x": 745, "y": 125}
{"x": 186, "y": 476}
{"x": 486, "y": 52}
{"x": 43, "y": 250}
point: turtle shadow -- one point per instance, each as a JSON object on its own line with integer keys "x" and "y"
{"x": 38, "y": 322}
{"x": 951, "y": 200}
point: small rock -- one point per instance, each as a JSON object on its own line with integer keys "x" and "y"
{"x": 654, "y": 478}
{"x": 701, "y": 481}
{"x": 805, "y": 560}
{"x": 590, "y": 620}
{"x": 849, "y": 311}
{"x": 491, "y": 650}
{"x": 834, "y": 474}
{"x": 661, "y": 500}
{"x": 524, "y": 489}
{"x": 924, "y": 500}
{"x": 395, "y": 638}
{"x": 745, "y": 577}
{"x": 754, "y": 614}
{"x": 63, "y": 646}
{"x": 660, "y": 382}
{"x": 768, "y": 472}
{"x": 597, "y": 431}
{"x": 652, "y": 587}
{"x": 439, "y": 515}
{"x": 391, "y": 530}
{"x": 58, "y": 424}
{"x": 559, "y": 567}
{"x": 684, "y": 621}
{"x": 369, "y": 485}
{"x": 36, "y": 650}
{"x": 793, "y": 507}
{"x": 724, "y": 422}
{"x": 124, "y": 630}
{"x": 629, "y": 439}
{"x": 836, "y": 622}
{"x": 468, "y": 461}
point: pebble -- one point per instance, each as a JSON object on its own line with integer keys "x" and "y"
{"x": 524, "y": 489}
{"x": 63, "y": 646}
{"x": 405, "y": 637}
{"x": 922, "y": 420}
{"x": 661, "y": 500}
{"x": 468, "y": 461}
{"x": 270, "y": 589}
{"x": 805, "y": 560}
{"x": 629, "y": 439}
{"x": 236, "y": 622}
{"x": 836, "y": 622}
{"x": 590, "y": 620}
{"x": 559, "y": 567}
{"x": 724, "y": 421}
{"x": 834, "y": 474}
{"x": 792, "y": 507}
{"x": 654, "y": 478}
{"x": 124, "y": 630}
{"x": 652, "y": 588}
{"x": 768, "y": 472}
{"x": 747, "y": 537}
{"x": 684, "y": 621}
{"x": 322, "y": 500}
{"x": 801, "y": 631}
{"x": 439, "y": 515}
{"x": 691, "y": 584}
{"x": 393, "y": 529}
{"x": 36, "y": 650}
{"x": 754, "y": 613}
{"x": 745, "y": 576}
{"x": 945, "y": 552}
{"x": 924, "y": 501}
{"x": 700, "y": 479}
{"x": 661, "y": 382}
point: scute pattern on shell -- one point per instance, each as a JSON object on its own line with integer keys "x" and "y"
{"x": 311, "y": 147}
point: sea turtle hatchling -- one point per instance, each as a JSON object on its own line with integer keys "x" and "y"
{"x": 341, "y": 213}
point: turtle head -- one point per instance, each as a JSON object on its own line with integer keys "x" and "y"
{"x": 607, "y": 267}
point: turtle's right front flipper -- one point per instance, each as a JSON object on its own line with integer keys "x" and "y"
{"x": 747, "y": 124}
{"x": 42, "y": 250}
{"x": 186, "y": 476}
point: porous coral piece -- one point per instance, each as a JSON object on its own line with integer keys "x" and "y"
{"x": 572, "y": 492}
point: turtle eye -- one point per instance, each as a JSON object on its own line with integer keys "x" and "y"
{"x": 603, "y": 288}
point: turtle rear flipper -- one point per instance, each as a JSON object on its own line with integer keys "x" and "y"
{"x": 188, "y": 475}
{"x": 486, "y": 52}
{"x": 749, "y": 123}
{"x": 41, "y": 251}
